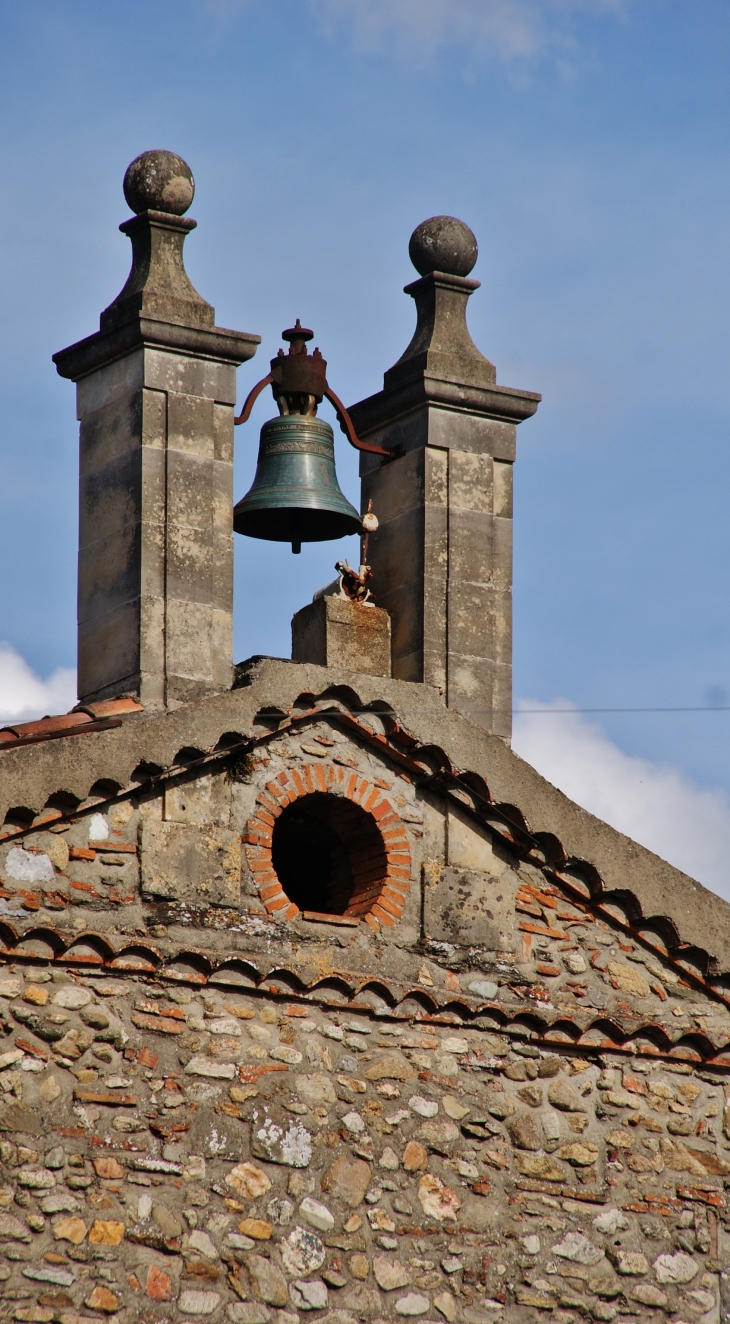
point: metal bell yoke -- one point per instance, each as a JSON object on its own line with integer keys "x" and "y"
{"x": 295, "y": 496}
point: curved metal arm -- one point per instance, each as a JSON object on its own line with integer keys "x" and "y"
{"x": 251, "y": 399}
{"x": 348, "y": 429}
{"x": 344, "y": 418}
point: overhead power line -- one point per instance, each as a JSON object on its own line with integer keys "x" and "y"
{"x": 704, "y": 708}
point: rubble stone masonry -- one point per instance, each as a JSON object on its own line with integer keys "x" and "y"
{"x": 489, "y": 1099}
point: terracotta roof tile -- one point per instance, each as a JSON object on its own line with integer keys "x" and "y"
{"x": 45, "y": 725}
{"x": 92, "y": 717}
{"x": 112, "y": 707}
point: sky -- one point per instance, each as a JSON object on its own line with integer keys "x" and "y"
{"x": 586, "y": 144}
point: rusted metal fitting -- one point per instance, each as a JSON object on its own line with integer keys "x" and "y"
{"x": 298, "y": 373}
{"x": 299, "y": 383}
{"x": 354, "y": 583}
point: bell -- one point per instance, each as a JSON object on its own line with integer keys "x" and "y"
{"x": 295, "y": 496}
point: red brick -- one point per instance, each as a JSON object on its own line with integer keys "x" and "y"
{"x": 277, "y": 903}
{"x": 392, "y": 907}
{"x": 383, "y": 915}
{"x": 319, "y": 777}
{"x": 633, "y": 1083}
{"x": 261, "y": 838}
{"x": 385, "y": 807}
{"x": 108, "y": 1168}
{"x": 85, "y": 887}
{"x": 390, "y": 821}
{"x": 274, "y": 889}
{"x": 263, "y": 879}
{"x": 36, "y": 1050}
{"x": 259, "y": 864}
{"x": 361, "y": 789}
{"x": 394, "y": 894}
{"x": 267, "y": 802}
{"x": 371, "y": 798}
{"x": 158, "y": 1284}
{"x": 257, "y": 855}
{"x": 81, "y": 853}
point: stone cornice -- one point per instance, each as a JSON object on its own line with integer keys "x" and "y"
{"x": 101, "y": 348}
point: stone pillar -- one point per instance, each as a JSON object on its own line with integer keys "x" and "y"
{"x": 156, "y": 389}
{"x": 331, "y": 631}
{"x": 442, "y": 557}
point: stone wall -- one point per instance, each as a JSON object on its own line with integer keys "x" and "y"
{"x": 173, "y": 1152}
{"x": 497, "y": 1100}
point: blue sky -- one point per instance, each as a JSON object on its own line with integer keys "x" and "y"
{"x": 585, "y": 142}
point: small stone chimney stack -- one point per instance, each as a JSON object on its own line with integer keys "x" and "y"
{"x": 155, "y": 389}
{"x": 442, "y": 558}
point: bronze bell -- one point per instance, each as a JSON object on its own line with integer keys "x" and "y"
{"x": 295, "y": 496}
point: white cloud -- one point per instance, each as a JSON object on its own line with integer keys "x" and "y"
{"x": 23, "y": 695}
{"x": 655, "y": 804}
{"x": 509, "y": 29}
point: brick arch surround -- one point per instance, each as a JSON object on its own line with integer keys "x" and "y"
{"x": 380, "y": 887}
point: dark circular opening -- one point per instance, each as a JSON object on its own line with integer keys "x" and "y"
{"x": 329, "y": 855}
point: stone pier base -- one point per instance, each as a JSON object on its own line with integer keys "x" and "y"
{"x": 335, "y": 632}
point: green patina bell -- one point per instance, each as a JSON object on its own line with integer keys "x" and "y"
{"x": 295, "y": 496}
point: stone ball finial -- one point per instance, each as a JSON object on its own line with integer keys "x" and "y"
{"x": 159, "y": 181}
{"x": 443, "y": 243}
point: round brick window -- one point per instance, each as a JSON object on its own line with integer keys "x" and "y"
{"x": 326, "y": 841}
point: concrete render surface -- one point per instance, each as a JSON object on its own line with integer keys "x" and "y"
{"x": 35, "y": 773}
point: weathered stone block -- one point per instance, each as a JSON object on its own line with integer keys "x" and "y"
{"x": 470, "y": 846}
{"x": 190, "y": 424}
{"x": 184, "y": 862}
{"x": 468, "y": 906}
{"x": 110, "y": 431}
{"x": 332, "y": 631}
{"x": 186, "y": 375}
{"x": 223, "y": 432}
{"x": 122, "y": 377}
